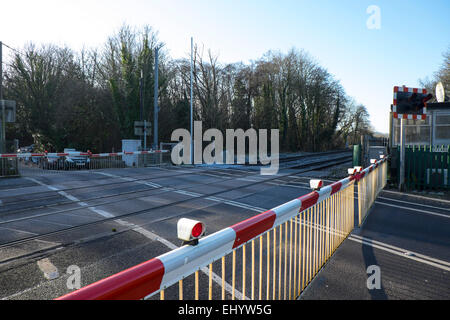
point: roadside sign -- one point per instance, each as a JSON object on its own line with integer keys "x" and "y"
{"x": 139, "y": 128}
{"x": 410, "y": 103}
{"x": 10, "y": 110}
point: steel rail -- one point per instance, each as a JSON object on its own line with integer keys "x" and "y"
{"x": 140, "y": 180}
{"x": 144, "y": 211}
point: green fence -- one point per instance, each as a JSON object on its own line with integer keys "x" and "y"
{"x": 427, "y": 167}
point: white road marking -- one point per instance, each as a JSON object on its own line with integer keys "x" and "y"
{"x": 75, "y": 199}
{"x": 42, "y": 184}
{"x": 416, "y": 196}
{"x": 211, "y": 175}
{"x": 143, "y": 232}
{"x": 17, "y": 230}
{"x": 416, "y": 204}
{"x": 68, "y": 196}
{"x": 148, "y": 234}
{"x": 103, "y": 213}
{"x": 287, "y": 185}
{"x": 115, "y": 176}
{"x": 441, "y": 264}
{"x": 401, "y": 253}
{"x": 150, "y": 184}
{"x": 53, "y": 222}
{"x": 247, "y": 179}
{"x": 236, "y": 204}
{"x": 106, "y": 174}
{"x": 48, "y": 242}
{"x": 404, "y": 251}
{"x": 225, "y": 173}
{"x": 195, "y": 194}
{"x": 188, "y": 193}
{"x": 412, "y": 209}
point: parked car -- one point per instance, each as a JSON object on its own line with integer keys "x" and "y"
{"x": 28, "y": 160}
{"x": 66, "y": 162}
{"x": 26, "y": 149}
{"x": 52, "y": 162}
{"x": 75, "y": 161}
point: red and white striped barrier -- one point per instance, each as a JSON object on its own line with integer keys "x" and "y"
{"x": 370, "y": 169}
{"x": 159, "y": 273}
{"x": 76, "y": 154}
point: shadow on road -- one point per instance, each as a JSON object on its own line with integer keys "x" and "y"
{"x": 370, "y": 260}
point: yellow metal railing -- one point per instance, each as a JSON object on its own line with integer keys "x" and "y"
{"x": 280, "y": 263}
{"x": 369, "y": 187}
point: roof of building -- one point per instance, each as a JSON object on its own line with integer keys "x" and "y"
{"x": 438, "y": 105}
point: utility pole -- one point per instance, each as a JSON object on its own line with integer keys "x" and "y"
{"x": 192, "y": 122}
{"x": 141, "y": 114}
{"x": 2, "y": 129}
{"x": 1, "y": 71}
{"x": 155, "y": 104}
{"x": 141, "y": 101}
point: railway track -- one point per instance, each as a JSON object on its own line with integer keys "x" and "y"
{"x": 288, "y": 158}
{"x": 315, "y": 162}
{"x": 137, "y": 178}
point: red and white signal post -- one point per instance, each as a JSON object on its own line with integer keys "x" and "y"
{"x": 409, "y": 104}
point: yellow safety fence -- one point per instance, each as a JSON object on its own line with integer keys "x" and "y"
{"x": 369, "y": 186}
{"x": 280, "y": 263}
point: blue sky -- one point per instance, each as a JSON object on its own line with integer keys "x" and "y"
{"x": 408, "y": 46}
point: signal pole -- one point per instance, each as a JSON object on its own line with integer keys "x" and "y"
{"x": 402, "y": 154}
{"x": 192, "y": 122}
{"x": 141, "y": 102}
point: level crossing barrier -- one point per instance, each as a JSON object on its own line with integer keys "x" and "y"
{"x": 273, "y": 255}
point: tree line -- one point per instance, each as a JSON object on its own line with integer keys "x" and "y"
{"x": 89, "y": 99}
{"x": 441, "y": 75}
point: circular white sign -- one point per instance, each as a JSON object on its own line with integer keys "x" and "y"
{"x": 440, "y": 93}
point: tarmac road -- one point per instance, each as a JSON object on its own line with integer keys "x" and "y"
{"x": 408, "y": 238}
{"x": 106, "y": 221}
